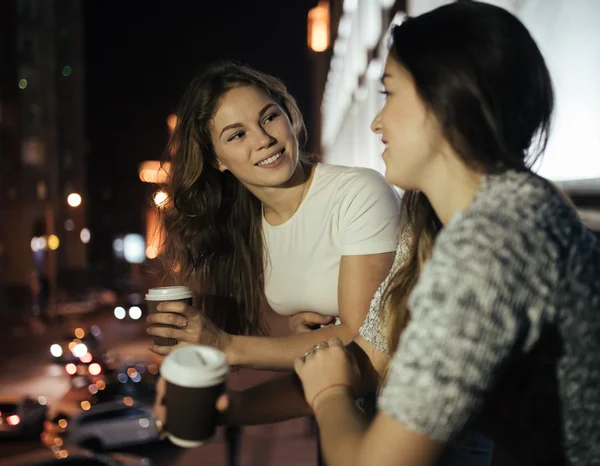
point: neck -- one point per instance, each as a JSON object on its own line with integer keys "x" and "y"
{"x": 280, "y": 203}
{"x": 453, "y": 189}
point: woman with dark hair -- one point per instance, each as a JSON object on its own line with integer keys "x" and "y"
{"x": 254, "y": 225}
{"x": 282, "y": 399}
{"x": 505, "y": 324}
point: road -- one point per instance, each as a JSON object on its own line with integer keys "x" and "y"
{"x": 26, "y": 367}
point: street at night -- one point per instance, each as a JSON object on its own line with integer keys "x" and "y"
{"x": 28, "y": 369}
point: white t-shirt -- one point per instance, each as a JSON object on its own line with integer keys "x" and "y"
{"x": 347, "y": 211}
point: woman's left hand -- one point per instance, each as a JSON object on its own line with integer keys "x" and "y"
{"x": 194, "y": 328}
{"x": 327, "y": 369}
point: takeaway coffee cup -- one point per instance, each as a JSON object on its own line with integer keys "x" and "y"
{"x": 155, "y": 296}
{"x": 195, "y": 376}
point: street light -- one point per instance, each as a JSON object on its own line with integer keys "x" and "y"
{"x": 318, "y": 27}
{"x": 74, "y": 200}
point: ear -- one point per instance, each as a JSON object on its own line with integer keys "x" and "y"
{"x": 220, "y": 166}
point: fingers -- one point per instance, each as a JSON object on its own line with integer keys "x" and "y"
{"x": 162, "y": 350}
{"x": 167, "y": 332}
{"x": 298, "y": 364}
{"x": 336, "y": 342}
{"x": 168, "y": 318}
{"x": 223, "y": 402}
{"x": 172, "y": 306}
{"x": 160, "y": 410}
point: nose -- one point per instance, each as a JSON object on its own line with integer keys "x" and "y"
{"x": 376, "y": 124}
{"x": 264, "y": 140}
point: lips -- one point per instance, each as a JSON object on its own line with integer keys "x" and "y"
{"x": 270, "y": 158}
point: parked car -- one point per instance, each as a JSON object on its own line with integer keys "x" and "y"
{"x": 73, "y": 456}
{"x": 103, "y": 426}
{"x": 21, "y": 416}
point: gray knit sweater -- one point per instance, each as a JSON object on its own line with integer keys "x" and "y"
{"x": 505, "y": 329}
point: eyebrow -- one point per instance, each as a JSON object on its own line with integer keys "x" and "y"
{"x": 260, "y": 115}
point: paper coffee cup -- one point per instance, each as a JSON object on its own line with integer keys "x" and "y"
{"x": 195, "y": 376}
{"x": 155, "y": 296}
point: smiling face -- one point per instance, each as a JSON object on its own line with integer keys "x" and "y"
{"x": 410, "y": 132}
{"x": 253, "y": 138}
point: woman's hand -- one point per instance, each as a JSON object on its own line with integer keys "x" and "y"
{"x": 225, "y": 403}
{"x": 194, "y": 328}
{"x": 325, "y": 370}
{"x": 160, "y": 410}
{"x": 304, "y": 322}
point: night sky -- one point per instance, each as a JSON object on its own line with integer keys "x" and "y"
{"x": 140, "y": 55}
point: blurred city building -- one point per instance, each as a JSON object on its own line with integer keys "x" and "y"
{"x": 43, "y": 202}
{"x": 348, "y": 71}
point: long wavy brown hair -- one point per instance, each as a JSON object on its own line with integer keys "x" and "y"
{"x": 420, "y": 226}
{"x": 213, "y": 224}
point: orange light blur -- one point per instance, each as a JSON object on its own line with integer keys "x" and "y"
{"x": 87, "y": 357}
{"x": 71, "y": 368}
{"x": 151, "y": 171}
{"x": 94, "y": 369}
{"x": 171, "y": 122}
{"x": 155, "y": 234}
{"x": 128, "y": 401}
{"x": 318, "y": 27}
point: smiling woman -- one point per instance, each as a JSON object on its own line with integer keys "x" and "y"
{"x": 254, "y": 224}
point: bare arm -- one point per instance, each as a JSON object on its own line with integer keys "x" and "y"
{"x": 359, "y": 278}
{"x": 346, "y": 440}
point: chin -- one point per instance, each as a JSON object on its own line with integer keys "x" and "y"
{"x": 395, "y": 178}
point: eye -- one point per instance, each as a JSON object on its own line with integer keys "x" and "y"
{"x": 270, "y": 117}
{"x": 384, "y": 92}
{"x": 238, "y": 135}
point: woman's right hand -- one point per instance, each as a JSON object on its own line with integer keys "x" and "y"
{"x": 304, "y": 322}
{"x": 194, "y": 328}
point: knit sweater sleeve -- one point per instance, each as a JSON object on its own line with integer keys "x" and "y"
{"x": 468, "y": 319}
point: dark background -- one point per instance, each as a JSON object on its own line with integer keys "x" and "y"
{"x": 140, "y": 55}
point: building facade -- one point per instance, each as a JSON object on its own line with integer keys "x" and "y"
{"x": 567, "y": 37}
{"x": 42, "y": 151}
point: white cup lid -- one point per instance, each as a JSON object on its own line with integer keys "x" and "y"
{"x": 195, "y": 366}
{"x": 168, "y": 293}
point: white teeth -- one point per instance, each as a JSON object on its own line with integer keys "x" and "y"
{"x": 271, "y": 159}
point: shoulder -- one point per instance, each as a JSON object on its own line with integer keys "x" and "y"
{"x": 352, "y": 178}
{"x": 518, "y": 210}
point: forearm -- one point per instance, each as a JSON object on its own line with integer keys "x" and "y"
{"x": 276, "y": 400}
{"x": 279, "y": 353}
{"x": 342, "y": 427}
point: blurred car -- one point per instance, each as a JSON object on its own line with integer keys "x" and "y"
{"x": 103, "y": 426}
{"x": 21, "y": 416}
{"x": 73, "y": 456}
{"x": 130, "y": 385}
